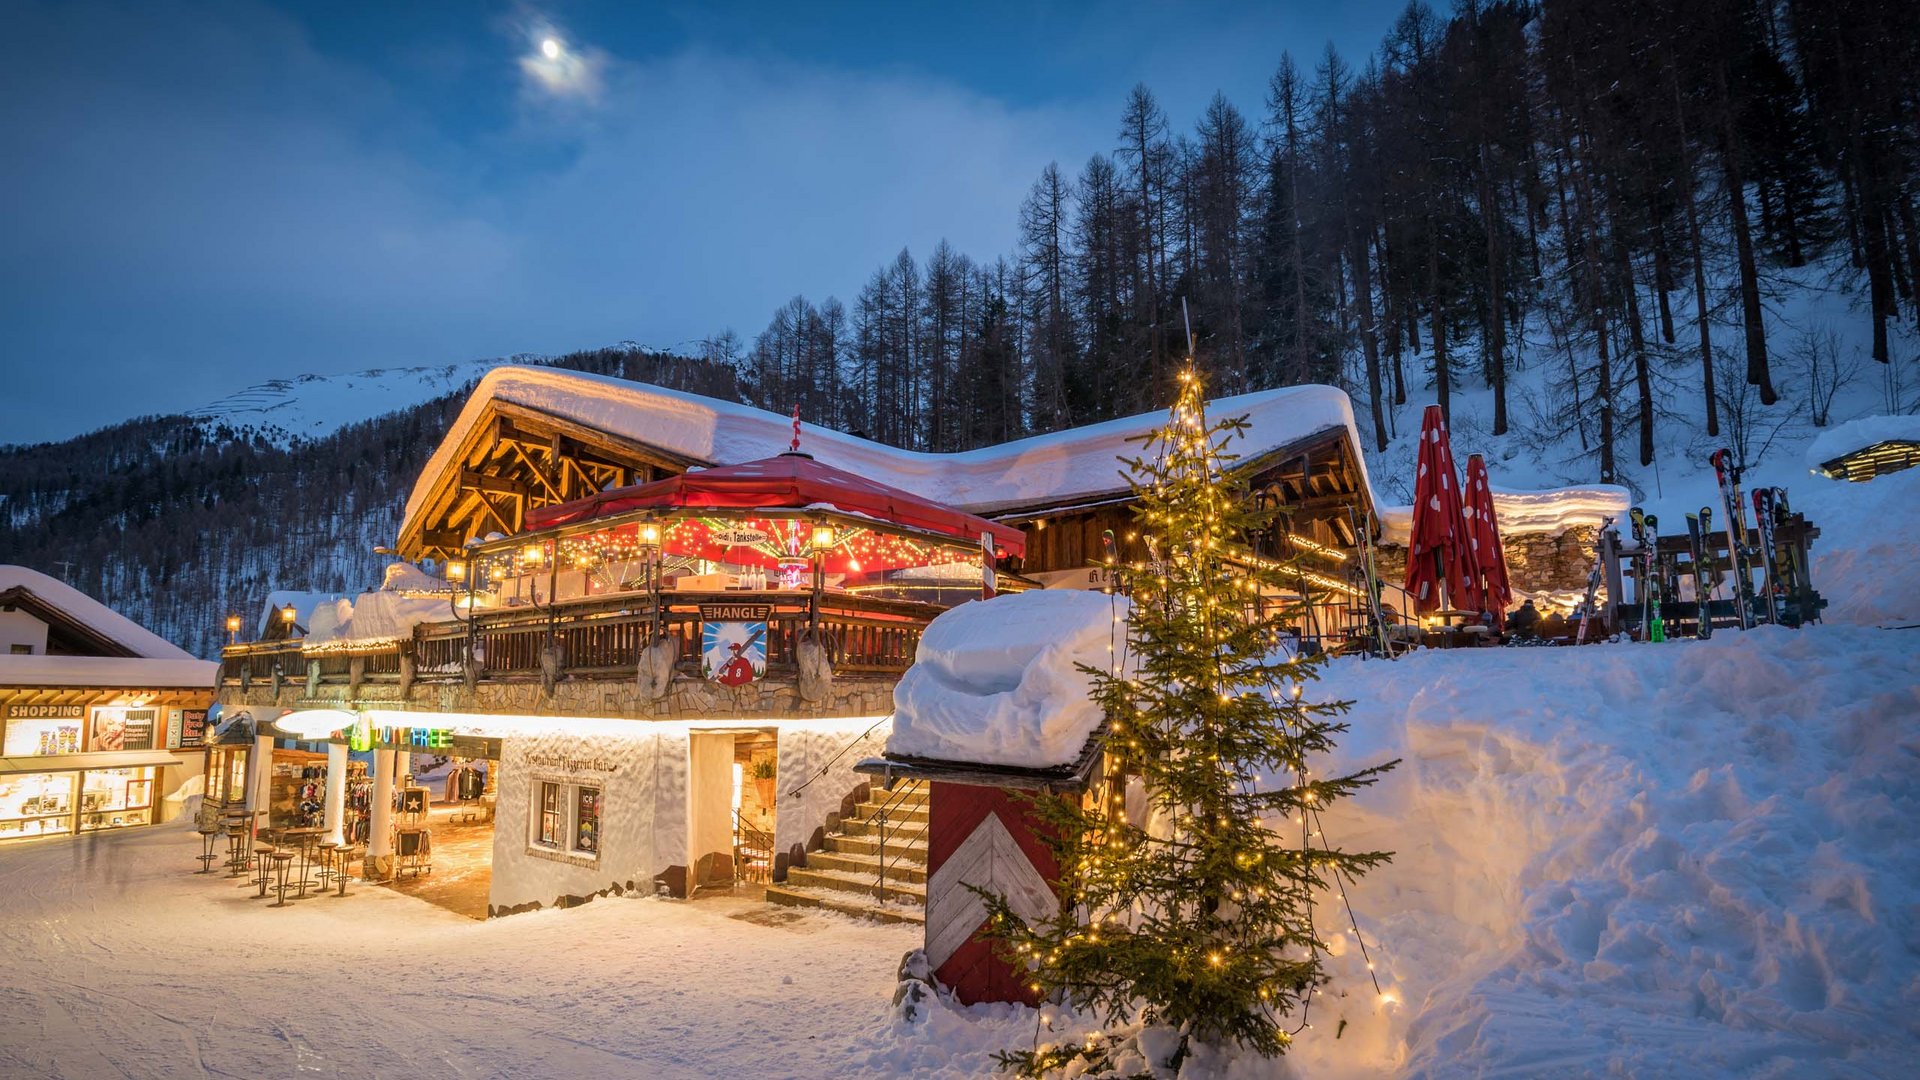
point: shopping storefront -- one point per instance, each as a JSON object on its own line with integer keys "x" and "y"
{"x": 72, "y": 768}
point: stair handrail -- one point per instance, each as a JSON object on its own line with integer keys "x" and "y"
{"x": 881, "y": 886}
{"x": 879, "y": 819}
{"x": 836, "y": 757}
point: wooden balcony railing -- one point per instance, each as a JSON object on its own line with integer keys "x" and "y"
{"x": 597, "y": 637}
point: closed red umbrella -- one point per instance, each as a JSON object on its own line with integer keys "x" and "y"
{"x": 1439, "y": 561}
{"x": 1483, "y": 530}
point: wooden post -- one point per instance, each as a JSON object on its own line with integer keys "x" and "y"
{"x": 988, "y": 837}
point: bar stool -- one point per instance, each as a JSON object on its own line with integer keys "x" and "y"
{"x": 236, "y": 850}
{"x": 346, "y": 860}
{"x": 209, "y": 836}
{"x": 262, "y": 875}
{"x": 327, "y": 872}
{"x": 281, "y": 860}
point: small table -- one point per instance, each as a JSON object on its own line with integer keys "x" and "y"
{"x": 300, "y": 841}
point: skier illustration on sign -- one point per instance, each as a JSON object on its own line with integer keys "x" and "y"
{"x": 733, "y": 660}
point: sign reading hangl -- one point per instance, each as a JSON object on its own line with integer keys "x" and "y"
{"x": 736, "y": 612}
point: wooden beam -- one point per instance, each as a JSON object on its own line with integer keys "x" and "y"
{"x": 493, "y": 485}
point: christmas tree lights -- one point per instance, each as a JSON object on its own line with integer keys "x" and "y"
{"x": 1194, "y": 911}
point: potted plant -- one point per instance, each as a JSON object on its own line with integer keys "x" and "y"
{"x": 762, "y": 772}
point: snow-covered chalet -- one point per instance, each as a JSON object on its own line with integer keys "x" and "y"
{"x": 640, "y": 638}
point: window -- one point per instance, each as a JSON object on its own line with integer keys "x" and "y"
{"x": 551, "y": 810}
{"x": 586, "y": 820}
{"x": 566, "y": 818}
{"x": 20, "y": 650}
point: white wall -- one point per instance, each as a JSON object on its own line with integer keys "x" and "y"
{"x": 20, "y": 628}
{"x": 803, "y": 752}
{"x": 643, "y": 822}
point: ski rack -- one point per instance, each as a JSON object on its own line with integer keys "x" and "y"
{"x": 1621, "y": 560}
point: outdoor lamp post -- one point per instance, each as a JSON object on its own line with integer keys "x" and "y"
{"x": 649, "y": 536}
{"x": 287, "y": 617}
{"x": 460, "y": 571}
{"x": 233, "y": 629}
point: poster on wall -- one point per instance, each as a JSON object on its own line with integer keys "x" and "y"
{"x": 193, "y": 727}
{"x": 116, "y": 728}
{"x": 733, "y": 642}
{"x": 44, "y": 736}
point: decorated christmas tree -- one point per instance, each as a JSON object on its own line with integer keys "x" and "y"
{"x": 1195, "y": 911}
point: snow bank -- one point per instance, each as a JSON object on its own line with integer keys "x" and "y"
{"x": 1054, "y": 468}
{"x": 994, "y": 682}
{"x": 1860, "y": 434}
{"x": 91, "y": 613}
{"x": 1864, "y": 561}
{"x": 1552, "y": 511}
{"x": 1634, "y": 860}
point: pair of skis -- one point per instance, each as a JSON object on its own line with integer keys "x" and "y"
{"x": 1740, "y": 551}
{"x": 1783, "y": 577}
{"x": 1647, "y": 574}
{"x": 1593, "y": 580}
{"x": 1699, "y": 528}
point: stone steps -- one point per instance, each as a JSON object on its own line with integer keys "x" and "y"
{"x": 867, "y": 811}
{"x": 914, "y": 851}
{"x": 844, "y": 903}
{"x": 845, "y": 875}
{"x": 862, "y": 883}
{"x": 906, "y": 870}
{"x": 900, "y": 831}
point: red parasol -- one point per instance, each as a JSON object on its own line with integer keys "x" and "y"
{"x": 1483, "y": 529}
{"x": 1439, "y": 558}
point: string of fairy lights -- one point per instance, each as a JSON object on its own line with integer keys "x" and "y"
{"x": 1194, "y": 455}
{"x": 695, "y": 542}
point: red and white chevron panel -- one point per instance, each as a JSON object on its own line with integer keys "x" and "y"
{"x": 984, "y": 837}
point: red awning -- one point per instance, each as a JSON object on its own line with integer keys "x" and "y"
{"x": 785, "y": 482}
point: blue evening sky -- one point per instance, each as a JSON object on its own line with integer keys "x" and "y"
{"x": 198, "y": 197}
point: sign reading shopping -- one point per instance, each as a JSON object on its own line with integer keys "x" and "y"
{"x": 733, "y": 642}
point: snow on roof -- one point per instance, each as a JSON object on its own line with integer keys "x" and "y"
{"x": 1045, "y": 469}
{"x": 1859, "y": 434}
{"x": 312, "y": 610}
{"x": 91, "y": 613}
{"x": 994, "y": 682}
{"x": 1552, "y": 512}
{"x": 133, "y": 672}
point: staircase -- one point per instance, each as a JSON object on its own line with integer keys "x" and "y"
{"x": 867, "y": 868}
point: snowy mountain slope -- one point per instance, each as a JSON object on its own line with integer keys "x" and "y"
{"x": 312, "y": 406}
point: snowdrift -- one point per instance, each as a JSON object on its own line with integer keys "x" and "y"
{"x": 995, "y": 682}
{"x": 1689, "y": 859}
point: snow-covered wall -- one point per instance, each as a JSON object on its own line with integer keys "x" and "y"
{"x": 642, "y": 825}
{"x": 817, "y": 760}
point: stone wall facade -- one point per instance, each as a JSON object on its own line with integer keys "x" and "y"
{"x": 1537, "y": 563}
{"x": 686, "y": 698}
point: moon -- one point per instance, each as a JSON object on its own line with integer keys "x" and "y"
{"x": 550, "y": 49}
